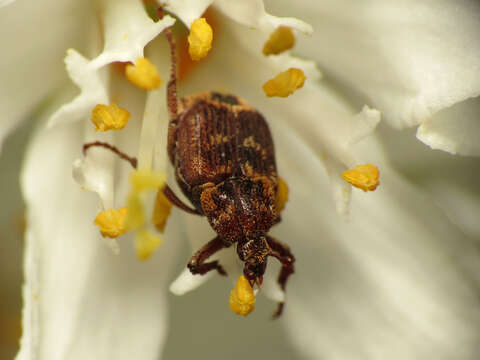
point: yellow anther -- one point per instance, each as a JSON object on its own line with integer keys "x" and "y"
{"x": 280, "y": 40}
{"x": 135, "y": 216}
{"x": 144, "y": 180}
{"x": 242, "y": 299}
{"x": 144, "y": 74}
{"x": 111, "y": 222}
{"x": 285, "y": 83}
{"x": 109, "y": 117}
{"x": 161, "y": 211}
{"x": 282, "y": 195}
{"x": 199, "y": 39}
{"x": 364, "y": 177}
{"x": 141, "y": 181}
{"x": 146, "y": 243}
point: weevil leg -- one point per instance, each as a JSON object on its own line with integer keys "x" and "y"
{"x": 132, "y": 160}
{"x": 197, "y": 264}
{"x": 282, "y": 252}
{"x": 170, "y": 195}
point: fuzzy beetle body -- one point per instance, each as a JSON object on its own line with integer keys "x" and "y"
{"x": 224, "y": 160}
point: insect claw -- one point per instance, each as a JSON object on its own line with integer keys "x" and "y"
{"x": 259, "y": 280}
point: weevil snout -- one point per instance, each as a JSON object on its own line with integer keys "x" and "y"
{"x": 254, "y": 269}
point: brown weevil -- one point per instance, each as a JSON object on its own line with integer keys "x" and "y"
{"x": 224, "y": 160}
{"x": 223, "y": 155}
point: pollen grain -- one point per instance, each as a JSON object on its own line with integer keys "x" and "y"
{"x": 365, "y": 177}
{"x": 111, "y": 222}
{"x": 280, "y": 40}
{"x": 109, "y": 117}
{"x": 282, "y": 195}
{"x": 285, "y": 83}
{"x": 143, "y": 75}
{"x": 242, "y": 299}
{"x": 200, "y": 39}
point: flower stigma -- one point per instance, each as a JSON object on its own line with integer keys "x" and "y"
{"x": 280, "y": 40}
{"x": 365, "y": 177}
{"x": 282, "y": 195}
{"x": 143, "y": 75}
{"x": 285, "y": 83}
{"x": 109, "y": 117}
{"x": 112, "y": 222}
{"x": 200, "y": 39}
{"x": 242, "y": 298}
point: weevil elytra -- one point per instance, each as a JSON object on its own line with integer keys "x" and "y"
{"x": 223, "y": 155}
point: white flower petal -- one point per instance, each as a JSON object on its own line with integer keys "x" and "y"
{"x": 454, "y": 129}
{"x": 249, "y": 13}
{"x": 94, "y": 173}
{"x": 409, "y": 60}
{"x": 341, "y": 189}
{"x": 252, "y": 13}
{"x": 34, "y": 38}
{"x": 82, "y": 301}
{"x": 124, "y": 41}
{"x": 5, "y": 2}
{"x": 186, "y": 282}
{"x": 451, "y": 181}
{"x": 186, "y": 10}
{"x": 394, "y": 282}
{"x": 91, "y": 85}
{"x": 128, "y": 29}
{"x": 364, "y": 124}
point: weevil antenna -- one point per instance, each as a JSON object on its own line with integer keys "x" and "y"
{"x": 172, "y": 99}
{"x": 122, "y": 155}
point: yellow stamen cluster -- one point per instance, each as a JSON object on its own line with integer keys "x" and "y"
{"x": 161, "y": 211}
{"x": 280, "y": 40}
{"x": 199, "y": 39}
{"x": 109, "y": 117}
{"x": 112, "y": 222}
{"x": 285, "y": 83}
{"x": 141, "y": 182}
{"x": 282, "y": 195}
{"x": 242, "y": 299}
{"x": 144, "y": 74}
{"x": 364, "y": 177}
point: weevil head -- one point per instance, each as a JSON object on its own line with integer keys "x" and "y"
{"x": 254, "y": 251}
{"x": 239, "y": 207}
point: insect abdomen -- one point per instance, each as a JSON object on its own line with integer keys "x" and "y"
{"x": 218, "y": 140}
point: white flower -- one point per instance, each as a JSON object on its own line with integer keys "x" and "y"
{"x": 397, "y": 280}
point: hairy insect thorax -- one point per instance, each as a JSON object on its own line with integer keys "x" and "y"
{"x": 240, "y": 207}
